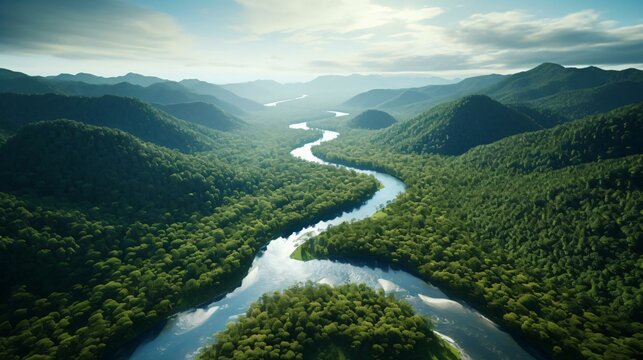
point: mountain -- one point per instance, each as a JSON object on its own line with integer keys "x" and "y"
{"x": 160, "y": 93}
{"x": 203, "y": 114}
{"x": 549, "y": 79}
{"x": 457, "y": 126}
{"x": 17, "y": 82}
{"x": 372, "y": 119}
{"x": 127, "y": 114}
{"x": 132, "y": 78}
{"x": 99, "y": 165}
{"x": 206, "y": 88}
{"x": 327, "y": 88}
{"x": 610, "y": 135}
{"x": 414, "y": 100}
{"x": 165, "y": 92}
{"x": 564, "y": 93}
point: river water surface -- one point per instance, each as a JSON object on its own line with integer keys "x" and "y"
{"x": 272, "y": 270}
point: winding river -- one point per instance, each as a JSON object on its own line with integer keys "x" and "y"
{"x": 474, "y": 335}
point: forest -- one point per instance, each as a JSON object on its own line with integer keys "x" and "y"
{"x": 125, "y": 203}
{"x": 103, "y": 235}
{"x": 541, "y": 230}
{"x": 323, "y": 322}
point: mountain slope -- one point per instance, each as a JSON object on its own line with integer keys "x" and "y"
{"x": 455, "y": 127}
{"x": 159, "y": 93}
{"x": 17, "y": 82}
{"x": 203, "y": 114}
{"x": 206, "y": 88}
{"x": 611, "y": 135}
{"x": 101, "y": 166}
{"x": 164, "y": 92}
{"x": 414, "y": 100}
{"x": 548, "y": 79}
{"x": 565, "y": 93}
{"x": 372, "y": 119}
{"x": 130, "y": 115}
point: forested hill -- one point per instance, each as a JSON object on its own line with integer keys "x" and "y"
{"x": 540, "y": 230}
{"x": 549, "y": 79}
{"x": 612, "y": 135}
{"x": 372, "y": 119}
{"x": 97, "y": 166}
{"x": 320, "y": 322}
{"x": 161, "y": 92}
{"x": 203, "y": 114}
{"x": 455, "y": 127}
{"x": 130, "y": 115}
{"x": 103, "y": 236}
{"x": 569, "y": 92}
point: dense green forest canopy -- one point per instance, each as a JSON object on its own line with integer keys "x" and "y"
{"x": 542, "y": 230}
{"x": 321, "y": 322}
{"x": 203, "y": 114}
{"x": 103, "y": 235}
{"x": 162, "y": 92}
{"x": 372, "y": 119}
{"x": 569, "y": 92}
{"x": 127, "y": 114}
{"x": 457, "y": 126}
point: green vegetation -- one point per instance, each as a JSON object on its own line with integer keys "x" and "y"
{"x": 130, "y": 115}
{"x": 103, "y": 235}
{"x": 203, "y": 114}
{"x": 542, "y": 231}
{"x": 321, "y": 322}
{"x": 569, "y": 92}
{"x": 372, "y": 119}
{"x": 455, "y": 127}
{"x": 163, "y": 92}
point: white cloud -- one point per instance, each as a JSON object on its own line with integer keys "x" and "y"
{"x": 327, "y": 17}
{"x": 497, "y": 40}
{"x": 89, "y": 29}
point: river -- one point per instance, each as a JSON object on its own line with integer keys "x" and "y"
{"x": 272, "y": 270}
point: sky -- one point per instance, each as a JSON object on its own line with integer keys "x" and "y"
{"x": 295, "y": 40}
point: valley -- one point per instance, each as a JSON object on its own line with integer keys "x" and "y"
{"x": 497, "y": 216}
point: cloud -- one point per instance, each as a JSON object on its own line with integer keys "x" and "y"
{"x": 311, "y": 18}
{"x": 88, "y": 29}
{"x": 499, "y": 40}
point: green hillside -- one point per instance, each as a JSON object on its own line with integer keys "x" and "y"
{"x": 206, "y": 88}
{"x": 203, "y": 114}
{"x": 144, "y": 88}
{"x": 611, "y": 135}
{"x": 104, "y": 236}
{"x": 541, "y": 231}
{"x": 321, "y": 322}
{"x": 548, "y": 79}
{"x": 570, "y": 93}
{"x": 455, "y": 127}
{"x": 98, "y": 166}
{"x": 159, "y": 93}
{"x": 130, "y": 115}
{"x": 17, "y": 82}
{"x": 372, "y": 119}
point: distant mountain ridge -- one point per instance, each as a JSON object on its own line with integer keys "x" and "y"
{"x": 570, "y": 92}
{"x": 155, "y": 90}
{"x": 132, "y": 78}
{"x": 332, "y": 88}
